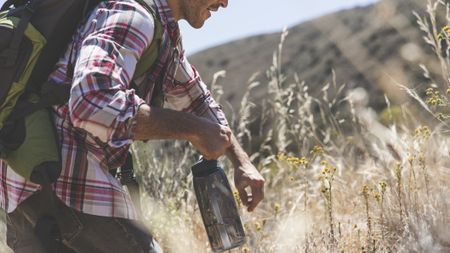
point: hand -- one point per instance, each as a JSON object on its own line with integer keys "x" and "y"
{"x": 212, "y": 140}
{"x": 248, "y": 176}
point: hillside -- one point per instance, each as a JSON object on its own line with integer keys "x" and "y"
{"x": 373, "y": 47}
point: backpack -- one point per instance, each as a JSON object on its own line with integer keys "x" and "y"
{"x": 33, "y": 35}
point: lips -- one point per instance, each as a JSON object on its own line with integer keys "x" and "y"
{"x": 213, "y": 8}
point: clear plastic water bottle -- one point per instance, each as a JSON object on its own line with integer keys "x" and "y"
{"x": 217, "y": 206}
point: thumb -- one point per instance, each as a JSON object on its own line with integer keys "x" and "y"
{"x": 243, "y": 194}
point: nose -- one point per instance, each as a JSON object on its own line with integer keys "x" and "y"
{"x": 223, "y": 3}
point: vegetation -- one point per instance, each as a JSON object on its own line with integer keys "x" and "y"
{"x": 339, "y": 178}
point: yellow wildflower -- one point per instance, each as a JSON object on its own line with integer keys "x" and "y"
{"x": 258, "y": 226}
{"x": 377, "y": 196}
{"x": 281, "y": 156}
{"x": 383, "y": 186}
{"x": 317, "y": 150}
{"x": 365, "y": 191}
{"x": 276, "y": 208}
{"x": 237, "y": 198}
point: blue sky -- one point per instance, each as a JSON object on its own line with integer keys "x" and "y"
{"x": 244, "y": 18}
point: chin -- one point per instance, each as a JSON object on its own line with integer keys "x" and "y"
{"x": 196, "y": 21}
{"x": 197, "y": 25}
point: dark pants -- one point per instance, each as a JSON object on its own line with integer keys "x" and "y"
{"x": 44, "y": 224}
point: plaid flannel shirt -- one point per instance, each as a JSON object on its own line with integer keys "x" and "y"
{"x": 95, "y": 127}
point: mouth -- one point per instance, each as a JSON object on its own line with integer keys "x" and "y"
{"x": 214, "y": 9}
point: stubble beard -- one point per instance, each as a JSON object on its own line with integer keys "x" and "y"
{"x": 192, "y": 16}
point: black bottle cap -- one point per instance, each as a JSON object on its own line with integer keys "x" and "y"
{"x": 205, "y": 167}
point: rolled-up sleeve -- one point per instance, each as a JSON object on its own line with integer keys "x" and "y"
{"x": 101, "y": 100}
{"x": 190, "y": 94}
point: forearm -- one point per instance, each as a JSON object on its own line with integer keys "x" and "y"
{"x": 209, "y": 138}
{"x": 236, "y": 154}
{"x": 158, "y": 123}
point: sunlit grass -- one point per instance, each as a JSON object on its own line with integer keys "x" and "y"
{"x": 335, "y": 182}
{"x": 337, "y": 179}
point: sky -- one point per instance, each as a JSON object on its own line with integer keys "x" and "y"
{"x": 243, "y": 18}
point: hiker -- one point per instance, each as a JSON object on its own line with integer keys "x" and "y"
{"x": 105, "y": 115}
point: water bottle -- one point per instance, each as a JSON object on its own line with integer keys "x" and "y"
{"x": 217, "y": 206}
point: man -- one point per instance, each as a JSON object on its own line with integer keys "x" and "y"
{"x": 105, "y": 115}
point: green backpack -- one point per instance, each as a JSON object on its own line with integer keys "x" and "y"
{"x": 33, "y": 35}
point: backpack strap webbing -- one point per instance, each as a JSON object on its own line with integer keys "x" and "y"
{"x": 151, "y": 53}
{"x": 10, "y": 54}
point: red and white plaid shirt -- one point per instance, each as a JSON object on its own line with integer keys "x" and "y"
{"x": 95, "y": 128}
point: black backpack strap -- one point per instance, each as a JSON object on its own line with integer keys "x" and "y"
{"x": 10, "y": 54}
{"x": 127, "y": 177}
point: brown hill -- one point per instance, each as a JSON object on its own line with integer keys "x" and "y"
{"x": 372, "y": 47}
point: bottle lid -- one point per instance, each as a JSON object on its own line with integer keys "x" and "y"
{"x": 205, "y": 167}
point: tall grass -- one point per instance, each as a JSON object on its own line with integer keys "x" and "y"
{"x": 337, "y": 180}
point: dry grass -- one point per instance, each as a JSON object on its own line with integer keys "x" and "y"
{"x": 338, "y": 180}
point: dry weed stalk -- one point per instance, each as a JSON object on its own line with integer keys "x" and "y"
{"x": 293, "y": 122}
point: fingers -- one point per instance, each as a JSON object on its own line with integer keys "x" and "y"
{"x": 243, "y": 195}
{"x": 213, "y": 141}
{"x": 226, "y": 131}
{"x": 222, "y": 143}
{"x": 252, "y": 199}
{"x": 214, "y": 152}
{"x": 256, "y": 196}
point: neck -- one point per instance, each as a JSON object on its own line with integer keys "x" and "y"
{"x": 174, "y": 6}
